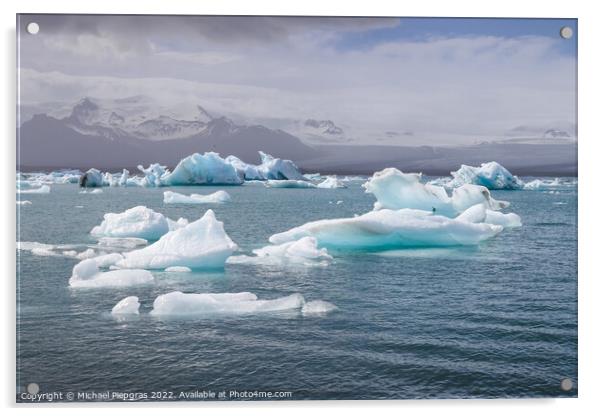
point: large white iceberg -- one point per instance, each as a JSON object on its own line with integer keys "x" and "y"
{"x": 270, "y": 168}
{"x": 178, "y": 303}
{"x": 386, "y": 229}
{"x": 491, "y": 175}
{"x": 395, "y": 190}
{"x": 202, "y": 244}
{"x": 206, "y": 169}
{"x": 218, "y": 197}
{"x": 137, "y": 222}
{"x": 303, "y": 252}
{"x": 290, "y": 183}
{"x": 87, "y": 274}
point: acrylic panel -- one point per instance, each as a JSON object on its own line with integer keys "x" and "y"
{"x": 291, "y": 208}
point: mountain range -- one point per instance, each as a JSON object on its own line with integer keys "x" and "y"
{"x": 122, "y": 133}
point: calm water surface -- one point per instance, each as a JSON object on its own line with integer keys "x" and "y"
{"x": 499, "y": 320}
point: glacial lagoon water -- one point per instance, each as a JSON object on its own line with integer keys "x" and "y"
{"x": 497, "y": 320}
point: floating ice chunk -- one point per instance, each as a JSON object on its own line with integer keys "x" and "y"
{"x": 491, "y": 175}
{"x": 86, "y": 274}
{"x": 539, "y": 184}
{"x": 94, "y": 191}
{"x": 206, "y": 169}
{"x": 127, "y": 243}
{"x": 275, "y": 168}
{"x": 394, "y": 189}
{"x": 24, "y": 202}
{"x": 178, "y": 269}
{"x": 153, "y": 175}
{"x": 386, "y": 229}
{"x": 289, "y": 184}
{"x": 87, "y": 254}
{"x": 479, "y": 214}
{"x": 44, "y": 189}
{"x": 174, "y": 225}
{"x": 339, "y": 202}
{"x": 331, "y": 183}
{"x": 178, "y": 303}
{"x": 317, "y": 307}
{"x": 138, "y": 222}
{"x": 218, "y": 197}
{"x": 127, "y": 306}
{"x": 304, "y": 252}
{"x": 93, "y": 178}
{"x": 201, "y": 244}
{"x": 107, "y": 260}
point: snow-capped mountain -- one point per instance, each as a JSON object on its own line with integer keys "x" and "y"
{"x": 138, "y": 117}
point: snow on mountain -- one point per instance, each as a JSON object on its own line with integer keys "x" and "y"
{"x": 139, "y": 117}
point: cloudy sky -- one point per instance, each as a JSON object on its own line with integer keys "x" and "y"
{"x": 393, "y": 80}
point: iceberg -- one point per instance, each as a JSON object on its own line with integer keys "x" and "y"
{"x": 289, "y": 184}
{"x": 218, "y": 197}
{"x": 24, "y": 202}
{"x": 127, "y": 306}
{"x": 138, "y": 222}
{"x": 304, "y": 252}
{"x": 152, "y": 175}
{"x": 395, "y": 190}
{"x": 86, "y": 274}
{"x": 331, "y": 182}
{"x": 544, "y": 185}
{"x": 206, "y": 169}
{"x": 387, "y": 229}
{"x": 44, "y": 189}
{"x": 270, "y": 168}
{"x": 317, "y": 307}
{"x": 202, "y": 244}
{"x": 480, "y": 214}
{"x": 178, "y": 303}
{"x": 93, "y": 178}
{"x": 491, "y": 175}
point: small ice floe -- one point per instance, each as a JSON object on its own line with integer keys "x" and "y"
{"x": 24, "y": 202}
{"x": 339, "y": 202}
{"x": 317, "y": 307}
{"x": 331, "y": 182}
{"x": 79, "y": 206}
{"x": 218, "y": 197}
{"x": 137, "y": 222}
{"x": 93, "y": 191}
{"x": 394, "y": 189}
{"x": 127, "y": 306}
{"x": 178, "y": 303}
{"x": 289, "y": 184}
{"x": 178, "y": 269}
{"x": 44, "y": 189}
{"x": 559, "y": 203}
{"x": 304, "y": 252}
{"x": 86, "y": 274}
{"x": 120, "y": 243}
{"x": 202, "y": 244}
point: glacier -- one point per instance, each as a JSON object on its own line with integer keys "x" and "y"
{"x": 202, "y": 244}
{"x": 218, "y": 197}
{"x": 86, "y": 274}
{"x": 138, "y": 222}
{"x": 127, "y": 306}
{"x": 178, "y": 303}
{"x": 491, "y": 175}
{"x": 394, "y": 190}
{"x": 303, "y": 252}
{"x": 386, "y": 229}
